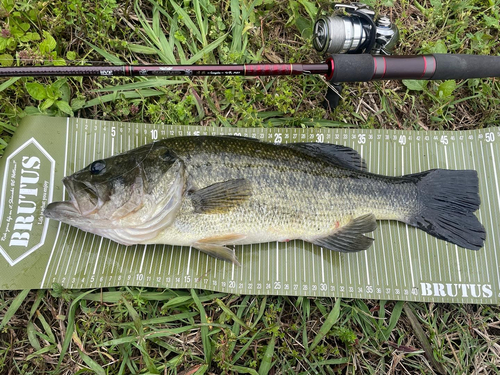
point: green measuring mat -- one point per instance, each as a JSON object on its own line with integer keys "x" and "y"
{"x": 403, "y": 264}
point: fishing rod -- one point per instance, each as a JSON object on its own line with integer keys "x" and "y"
{"x": 337, "y": 68}
{"x": 358, "y": 45}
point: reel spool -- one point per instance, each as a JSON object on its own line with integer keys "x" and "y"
{"x": 358, "y": 31}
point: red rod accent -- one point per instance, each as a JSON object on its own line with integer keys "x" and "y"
{"x": 425, "y": 67}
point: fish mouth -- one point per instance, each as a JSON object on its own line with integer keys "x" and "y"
{"x": 61, "y": 211}
{"x": 83, "y": 201}
{"x": 83, "y": 195}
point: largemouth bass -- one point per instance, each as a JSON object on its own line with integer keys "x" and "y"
{"x": 213, "y": 192}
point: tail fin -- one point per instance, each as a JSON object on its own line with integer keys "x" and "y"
{"x": 448, "y": 200}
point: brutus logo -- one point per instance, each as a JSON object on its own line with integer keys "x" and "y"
{"x": 26, "y": 189}
{"x": 454, "y": 290}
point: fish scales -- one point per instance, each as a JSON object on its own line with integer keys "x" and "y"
{"x": 294, "y": 194}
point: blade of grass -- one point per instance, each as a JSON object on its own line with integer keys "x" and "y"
{"x": 262, "y": 309}
{"x": 201, "y": 22}
{"x": 9, "y": 83}
{"x": 71, "y": 325}
{"x": 109, "y": 57}
{"x": 267, "y": 364}
{"x": 145, "y": 50}
{"x": 127, "y": 95}
{"x": 45, "y": 349}
{"x": 396, "y": 313}
{"x": 422, "y": 337}
{"x": 135, "y": 317}
{"x": 206, "y": 50}
{"x": 147, "y": 359}
{"x": 46, "y": 327}
{"x": 14, "y": 306}
{"x": 93, "y": 365}
{"x": 237, "y": 25}
{"x": 148, "y": 83}
{"x": 187, "y": 21}
{"x": 244, "y": 348}
{"x": 207, "y": 347}
{"x": 233, "y": 316}
{"x": 332, "y": 318}
{"x": 242, "y": 370}
{"x": 39, "y": 295}
{"x": 30, "y": 329}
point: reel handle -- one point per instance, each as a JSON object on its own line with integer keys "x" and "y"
{"x": 362, "y": 67}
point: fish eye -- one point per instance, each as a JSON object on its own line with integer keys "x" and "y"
{"x": 97, "y": 167}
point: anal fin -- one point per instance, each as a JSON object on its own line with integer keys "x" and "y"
{"x": 350, "y": 238}
{"x": 215, "y": 246}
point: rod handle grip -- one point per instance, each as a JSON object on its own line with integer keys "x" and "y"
{"x": 455, "y": 66}
{"x": 363, "y": 67}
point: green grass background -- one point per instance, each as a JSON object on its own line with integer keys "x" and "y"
{"x": 122, "y": 330}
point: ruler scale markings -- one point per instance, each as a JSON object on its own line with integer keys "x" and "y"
{"x": 304, "y": 263}
{"x": 89, "y": 253}
{"x": 366, "y": 252}
{"x": 143, "y": 257}
{"x": 399, "y": 171}
{"x": 277, "y": 260}
{"x": 259, "y": 253}
{"x": 70, "y": 254}
{"x": 152, "y": 260}
{"x": 480, "y": 213}
{"x": 114, "y": 258}
{"x": 493, "y": 158}
{"x": 286, "y": 262}
{"x": 488, "y": 205}
{"x": 268, "y": 261}
{"x": 435, "y": 239}
{"x": 133, "y": 259}
{"x": 384, "y": 252}
{"x": 418, "y": 247}
{"x": 409, "y": 252}
{"x": 189, "y": 260}
{"x": 490, "y": 210}
{"x": 180, "y": 261}
{"x": 160, "y": 268}
{"x": 427, "y": 237}
{"x": 313, "y": 263}
{"x": 295, "y": 260}
{"x": 457, "y": 254}
{"x": 391, "y": 247}
{"x": 340, "y": 270}
{"x": 465, "y": 167}
{"x": 111, "y": 141}
{"x": 374, "y": 248}
{"x": 322, "y": 267}
{"x": 68, "y": 230}
{"x": 42, "y": 284}
{"x": 445, "y": 148}
{"x": 251, "y": 263}
{"x": 124, "y": 251}
{"x": 97, "y": 256}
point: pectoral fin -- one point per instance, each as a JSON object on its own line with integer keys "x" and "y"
{"x": 222, "y": 196}
{"x": 215, "y": 246}
{"x": 350, "y": 238}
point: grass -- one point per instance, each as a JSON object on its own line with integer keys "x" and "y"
{"x": 126, "y": 330}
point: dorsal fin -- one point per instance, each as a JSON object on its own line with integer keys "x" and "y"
{"x": 337, "y": 154}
